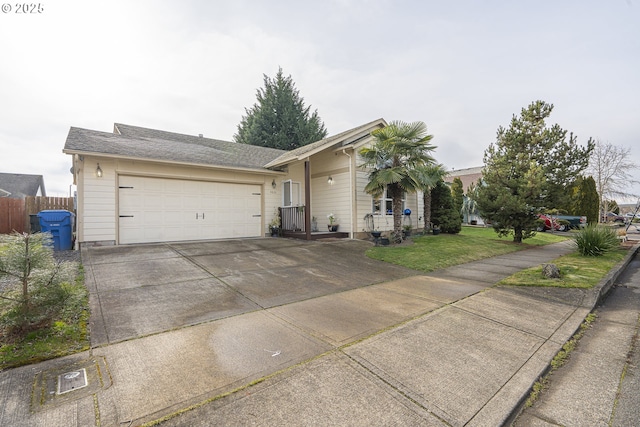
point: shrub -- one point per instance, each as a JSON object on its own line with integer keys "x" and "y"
{"x": 443, "y": 213}
{"x": 596, "y": 240}
{"x": 35, "y": 288}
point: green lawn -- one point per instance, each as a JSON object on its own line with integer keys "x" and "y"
{"x": 576, "y": 271}
{"x": 428, "y": 253}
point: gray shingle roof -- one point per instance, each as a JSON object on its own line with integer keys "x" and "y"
{"x": 150, "y": 144}
{"x": 20, "y": 185}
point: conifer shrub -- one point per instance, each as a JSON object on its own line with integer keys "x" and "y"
{"x": 34, "y": 288}
{"x": 444, "y": 214}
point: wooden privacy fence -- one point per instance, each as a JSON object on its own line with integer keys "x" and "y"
{"x": 15, "y": 213}
{"x": 12, "y": 215}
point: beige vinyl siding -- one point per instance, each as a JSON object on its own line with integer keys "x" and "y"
{"x": 295, "y": 173}
{"x": 364, "y": 200}
{"x": 333, "y": 199}
{"x": 96, "y": 221}
{"x": 271, "y": 202}
{"x": 330, "y": 198}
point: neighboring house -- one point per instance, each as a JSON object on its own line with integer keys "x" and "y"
{"x": 468, "y": 176}
{"x": 18, "y": 186}
{"x": 139, "y": 185}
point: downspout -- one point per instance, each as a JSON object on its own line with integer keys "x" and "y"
{"x": 78, "y": 169}
{"x": 351, "y": 190}
{"x": 307, "y": 199}
{"x": 418, "y": 211}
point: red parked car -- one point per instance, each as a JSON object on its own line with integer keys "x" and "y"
{"x": 559, "y": 223}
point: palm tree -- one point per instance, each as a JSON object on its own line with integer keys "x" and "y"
{"x": 429, "y": 176}
{"x": 394, "y": 161}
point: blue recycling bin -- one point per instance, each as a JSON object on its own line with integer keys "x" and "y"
{"x": 60, "y": 224}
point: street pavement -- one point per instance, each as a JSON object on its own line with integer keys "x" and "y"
{"x": 300, "y": 333}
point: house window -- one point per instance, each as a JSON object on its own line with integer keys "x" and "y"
{"x": 386, "y": 202}
{"x": 291, "y": 194}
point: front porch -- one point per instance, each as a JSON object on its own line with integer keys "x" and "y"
{"x": 294, "y": 223}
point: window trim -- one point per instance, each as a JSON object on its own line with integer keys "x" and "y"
{"x": 387, "y": 200}
{"x": 293, "y": 186}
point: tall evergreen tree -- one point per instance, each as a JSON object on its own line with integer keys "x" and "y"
{"x": 443, "y": 211}
{"x": 528, "y": 169}
{"x": 279, "y": 118}
{"x": 457, "y": 191}
{"x": 587, "y": 200}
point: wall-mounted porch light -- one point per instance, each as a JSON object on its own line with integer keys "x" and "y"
{"x": 330, "y": 180}
{"x": 273, "y": 184}
{"x": 99, "y": 171}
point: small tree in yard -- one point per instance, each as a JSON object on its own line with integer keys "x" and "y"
{"x": 443, "y": 212}
{"x": 32, "y": 287}
{"x": 527, "y": 170}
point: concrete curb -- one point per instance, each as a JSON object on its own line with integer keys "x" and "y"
{"x": 599, "y": 294}
{"x": 605, "y": 285}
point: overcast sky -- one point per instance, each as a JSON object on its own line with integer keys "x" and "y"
{"x": 462, "y": 67}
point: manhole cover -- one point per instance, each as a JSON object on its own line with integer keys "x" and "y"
{"x": 73, "y": 380}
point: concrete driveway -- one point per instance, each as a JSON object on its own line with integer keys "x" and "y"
{"x": 289, "y": 332}
{"x": 145, "y": 289}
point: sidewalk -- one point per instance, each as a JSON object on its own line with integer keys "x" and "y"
{"x": 444, "y": 348}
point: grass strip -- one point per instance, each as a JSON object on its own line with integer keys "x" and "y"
{"x": 576, "y": 271}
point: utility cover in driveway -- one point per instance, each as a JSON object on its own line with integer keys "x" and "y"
{"x": 69, "y": 379}
{"x": 73, "y": 380}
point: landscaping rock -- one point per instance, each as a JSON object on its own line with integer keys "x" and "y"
{"x": 550, "y": 271}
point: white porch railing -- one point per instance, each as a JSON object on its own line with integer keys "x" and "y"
{"x": 292, "y": 218}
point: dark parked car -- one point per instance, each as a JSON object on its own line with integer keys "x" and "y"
{"x": 613, "y": 217}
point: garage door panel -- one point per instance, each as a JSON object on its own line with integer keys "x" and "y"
{"x": 158, "y": 209}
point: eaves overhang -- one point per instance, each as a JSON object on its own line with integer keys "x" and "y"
{"x": 262, "y": 171}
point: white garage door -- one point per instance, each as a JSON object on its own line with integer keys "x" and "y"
{"x": 159, "y": 210}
